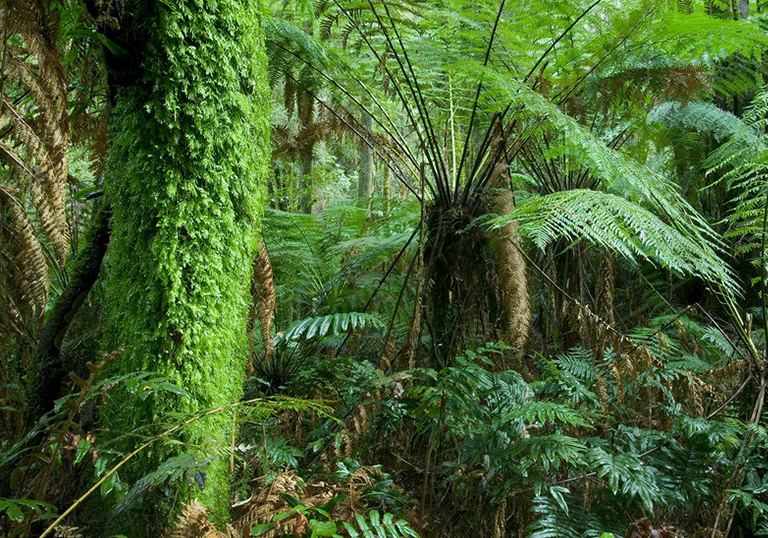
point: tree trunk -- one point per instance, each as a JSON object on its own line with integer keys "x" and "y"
{"x": 743, "y": 9}
{"x": 386, "y": 188}
{"x": 186, "y": 170}
{"x": 306, "y": 113}
{"x": 513, "y": 283}
{"x": 47, "y": 371}
{"x": 366, "y": 161}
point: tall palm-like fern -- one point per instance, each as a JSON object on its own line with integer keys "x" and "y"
{"x": 518, "y": 119}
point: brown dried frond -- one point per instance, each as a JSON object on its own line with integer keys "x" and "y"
{"x": 193, "y": 523}
{"x": 602, "y": 393}
{"x": 24, "y": 282}
{"x": 630, "y": 368}
{"x": 289, "y": 93}
{"x": 604, "y": 295}
{"x": 513, "y": 283}
{"x": 362, "y": 479}
{"x": 604, "y": 289}
{"x": 619, "y": 383}
{"x": 642, "y": 528}
{"x": 500, "y": 520}
{"x": 38, "y": 134}
{"x": 696, "y": 390}
{"x": 267, "y": 503}
{"x": 733, "y": 370}
{"x": 342, "y": 449}
{"x": 645, "y": 357}
{"x": 388, "y": 356}
{"x": 50, "y": 222}
{"x": 100, "y": 145}
{"x": 360, "y": 423}
{"x": 65, "y": 531}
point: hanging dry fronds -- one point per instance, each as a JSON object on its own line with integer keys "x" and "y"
{"x": 34, "y": 136}
{"x": 24, "y": 282}
{"x": 604, "y": 288}
{"x": 500, "y": 520}
{"x": 193, "y": 523}
{"x": 36, "y": 131}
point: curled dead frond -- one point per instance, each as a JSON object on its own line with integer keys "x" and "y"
{"x": 193, "y": 523}
{"x": 268, "y": 502}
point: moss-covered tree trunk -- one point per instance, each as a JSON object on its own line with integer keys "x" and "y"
{"x": 187, "y": 165}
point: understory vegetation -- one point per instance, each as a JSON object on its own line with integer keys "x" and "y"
{"x": 339, "y": 268}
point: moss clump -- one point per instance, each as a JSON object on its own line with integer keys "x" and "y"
{"x": 188, "y": 159}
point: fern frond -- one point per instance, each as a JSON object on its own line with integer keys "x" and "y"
{"x": 384, "y": 526}
{"x": 332, "y": 324}
{"x": 621, "y": 226}
{"x": 625, "y": 474}
{"x": 554, "y": 522}
{"x": 24, "y": 282}
{"x": 549, "y": 412}
{"x": 704, "y": 118}
{"x": 577, "y": 362}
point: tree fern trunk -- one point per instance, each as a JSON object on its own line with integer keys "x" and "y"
{"x": 513, "y": 282}
{"x": 47, "y": 371}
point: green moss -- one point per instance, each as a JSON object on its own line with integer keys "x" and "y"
{"x": 186, "y": 170}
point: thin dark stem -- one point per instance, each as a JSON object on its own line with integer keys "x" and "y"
{"x": 559, "y": 38}
{"x": 381, "y": 283}
{"x": 467, "y": 140}
{"x": 390, "y": 76}
{"x": 384, "y": 158}
{"x": 419, "y": 96}
{"x": 427, "y": 142}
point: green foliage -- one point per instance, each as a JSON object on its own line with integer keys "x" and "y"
{"x": 18, "y": 515}
{"x": 605, "y": 117}
{"x": 621, "y": 226}
{"x": 319, "y": 522}
{"x": 334, "y": 324}
{"x": 384, "y": 526}
{"x": 186, "y": 198}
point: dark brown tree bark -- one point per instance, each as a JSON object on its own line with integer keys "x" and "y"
{"x": 48, "y": 370}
